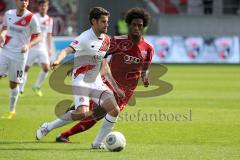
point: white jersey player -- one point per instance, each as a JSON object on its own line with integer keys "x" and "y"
{"x": 18, "y": 26}
{"x": 42, "y": 51}
{"x": 89, "y": 48}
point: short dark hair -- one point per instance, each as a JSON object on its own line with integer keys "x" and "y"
{"x": 97, "y": 12}
{"x": 135, "y": 13}
{"x": 42, "y": 1}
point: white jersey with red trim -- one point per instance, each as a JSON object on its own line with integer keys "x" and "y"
{"x": 89, "y": 54}
{"x": 19, "y": 31}
{"x": 46, "y": 24}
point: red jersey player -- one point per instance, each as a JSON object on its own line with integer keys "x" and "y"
{"x": 131, "y": 56}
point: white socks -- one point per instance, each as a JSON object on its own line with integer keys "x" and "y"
{"x": 22, "y": 85}
{"x": 13, "y": 96}
{"x": 106, "y": 128}
{"x": 62, "y": 121}
{"x": 41, "y": 76}
{"x": 56, "y": 124}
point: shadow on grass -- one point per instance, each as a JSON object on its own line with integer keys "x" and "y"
{"x": 30, "y": 142}
{"x": 52, "y": 149}
{"x": 38, "y": 147}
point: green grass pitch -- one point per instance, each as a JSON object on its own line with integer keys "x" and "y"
{"x": 207, "y": 97}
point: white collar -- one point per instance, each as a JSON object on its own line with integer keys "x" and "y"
{"x": 93, "y": 33}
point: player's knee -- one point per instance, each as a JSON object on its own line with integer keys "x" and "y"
{"x": 114, "y": 112}
{"x": 99, "y": 113}
{"x": 13, "y": 85}
{"x": 26, "y": 69}
{"x": 45, "y": 69}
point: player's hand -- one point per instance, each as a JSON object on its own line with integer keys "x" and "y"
{"x": 54, "y": 64}
{"x": 25, "y": 48}
{"x": 120, "y": 93}
{"x": 145, "y": 82}
{"x": 50, "y": 53}
{"x": 145, "y": 79}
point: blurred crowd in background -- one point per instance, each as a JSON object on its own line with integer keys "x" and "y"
{"x": 65, "y": 12}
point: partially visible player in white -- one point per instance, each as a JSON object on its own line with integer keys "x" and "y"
{"x": 90, "y": 49}
{"x": 42, "y": 51}
{"x": 18, "y": 26}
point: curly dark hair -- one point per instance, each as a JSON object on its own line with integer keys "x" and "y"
{"x": 42, "y": 1}
{"x": 97, "y": 12}
{"x": 135, "y": 13}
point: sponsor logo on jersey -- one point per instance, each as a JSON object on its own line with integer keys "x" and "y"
{"x": 15, "y": 29}
{"x": 125, "y": 45}
{"x": 24, "y": 21}
{"x": 131, "y": 59}
{"x": 75, "y": 42}
{"x": 144, "y": 54}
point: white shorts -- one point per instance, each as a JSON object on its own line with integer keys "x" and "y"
{"x": 40, "y": 55}
{"x": 84, "y": 91}
{"x": 12, "y": 67}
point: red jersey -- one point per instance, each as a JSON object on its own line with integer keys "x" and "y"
{"x": 127, "y": 62}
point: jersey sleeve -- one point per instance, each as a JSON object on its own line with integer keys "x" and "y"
{"x": 77, "y": 43}
{"x": 35, "y": 25}
{"x": 50, "y": 28}
{"x": 148, "y": 59}
{"x": 5, "y": 19}
{"x": 150, "y": 55}
{"x": 113, "y": 45}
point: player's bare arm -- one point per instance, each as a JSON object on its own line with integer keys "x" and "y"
{"x": 108, "y": 75}
{"x": 3, "y": 33}
{"x": 37, "y": 38}
{"x": 145, "y": 78}
{"x": 61, "y": 56}
{"x": 49, "y": 44}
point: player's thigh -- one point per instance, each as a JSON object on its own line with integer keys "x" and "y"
{"x": 4, "y": 62}
{"x": 44, "y": 59}
{"x": 104, "y": 98}
{"x": 32, "y": 56}
{"x": 16, "y": 71}
{"x": 81, "y": 92}
{"x": 98, "y": 111}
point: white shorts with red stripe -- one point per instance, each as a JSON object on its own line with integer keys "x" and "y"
{"x": 85, "y": 90}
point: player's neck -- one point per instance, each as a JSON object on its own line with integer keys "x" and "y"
{"x": 98, "y": 34}
{"x": 20, "y": 12}
{"x": 42, "y": 14}
{"x": 136, "y": 39}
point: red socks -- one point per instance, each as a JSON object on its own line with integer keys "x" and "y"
{"x": 82, "y": 126}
